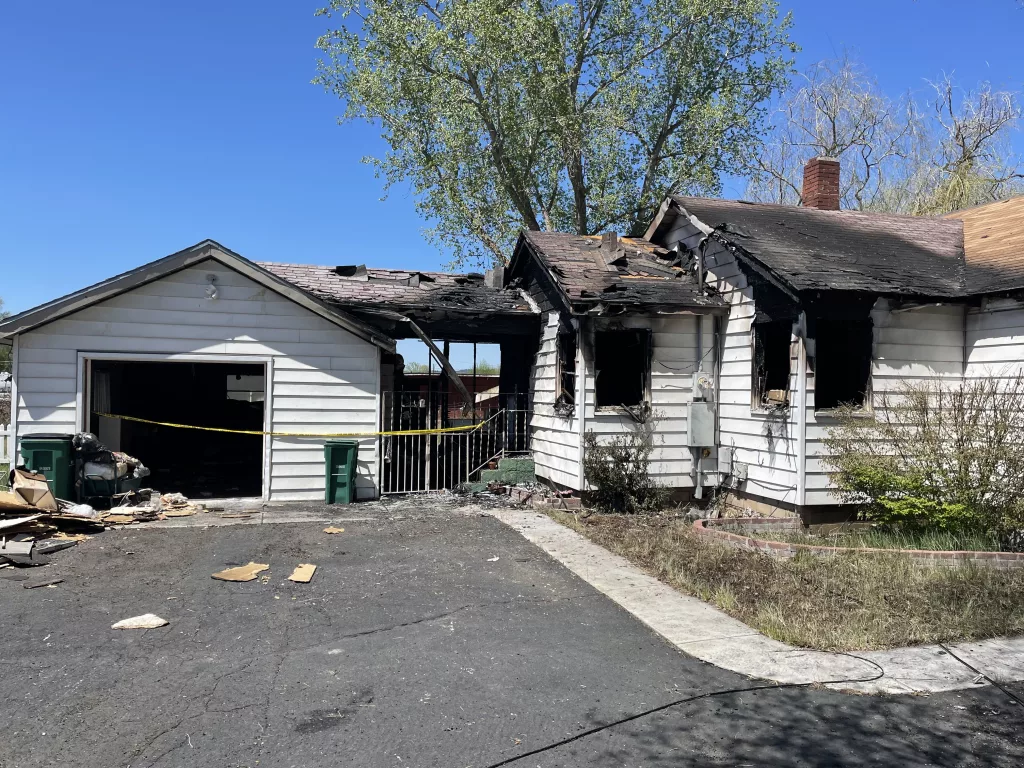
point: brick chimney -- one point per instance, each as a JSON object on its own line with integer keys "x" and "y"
{"x": 821, "y": 184}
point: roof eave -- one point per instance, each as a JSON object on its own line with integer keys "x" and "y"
{"x": 155, "y": 270}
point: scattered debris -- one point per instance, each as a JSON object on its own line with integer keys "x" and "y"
{"x": 49, "y": 546}
{"x": 18, "y": 521}
{"x": 332, "y": 529}
{"x": 242, "y": 572}
{"x": 145, "y": 621}
{"x": 303, "y": 573}
{"x": 183, "y": 512}
{"x": 118, "y": 518}
{"x": 492, "y": 559}
{"x": 48, "y": 583}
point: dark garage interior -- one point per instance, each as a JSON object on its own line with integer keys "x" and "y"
{"x": 197, "y": 463}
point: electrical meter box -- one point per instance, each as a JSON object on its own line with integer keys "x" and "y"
{"x": 700, "y": 427}
{"x": 702, "y": 385}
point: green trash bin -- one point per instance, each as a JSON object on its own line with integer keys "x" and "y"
{"x": 53, "y": 457}
{"x": 340, "y": 468}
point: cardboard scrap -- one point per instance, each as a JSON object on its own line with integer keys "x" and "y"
{"x": 242, "y": 572}
{"x": 12, "y": 502}
{"x": 145, "y": 621}
{"x": 180, "y": 512}
{"x": 65, "y": 536}
{"x": 303, "y": 573}
{"x": 118, "y": 519}
{"x": 32, "y": 488}
{"x": 332, "y": 529}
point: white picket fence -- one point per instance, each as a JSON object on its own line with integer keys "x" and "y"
{"x": 6, "y": 444}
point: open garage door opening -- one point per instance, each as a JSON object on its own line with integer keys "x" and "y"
{"x": 199, "y": 464}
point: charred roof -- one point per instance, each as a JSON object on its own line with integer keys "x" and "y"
{"x": 596, "y": 273}
{"x": 812, "y": 249}
{"x": 358, "y": 286}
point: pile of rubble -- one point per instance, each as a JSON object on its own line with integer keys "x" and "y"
{"x": 34, "y": 524}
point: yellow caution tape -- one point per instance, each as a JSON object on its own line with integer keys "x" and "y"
{"x": 397, "y": 432}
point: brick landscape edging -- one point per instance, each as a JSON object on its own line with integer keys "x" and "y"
{"x": 707, "y": 528}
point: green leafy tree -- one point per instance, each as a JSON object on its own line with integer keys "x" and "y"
{"x": 575, "y": 115}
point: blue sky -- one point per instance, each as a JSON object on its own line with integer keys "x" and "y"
{"x": 131, "y": 130}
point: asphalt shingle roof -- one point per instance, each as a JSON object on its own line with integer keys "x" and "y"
{"x": 399, "y": 289}
{"x": 640, "y": 274}
{"x": 842, "y": 250}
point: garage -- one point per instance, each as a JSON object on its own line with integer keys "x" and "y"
{"x": 145, "y": 397}
{"x": 203, "y": 338}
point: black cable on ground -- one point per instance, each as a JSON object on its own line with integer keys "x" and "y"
{"x": 978, "y": 672}
{"x": 677, "y": 702}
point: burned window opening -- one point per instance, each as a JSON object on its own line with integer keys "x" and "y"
{"x": 566, "y": 351}
{"x": 772, "y": 341}
{"x": 842, "y": 362}
{"x": 623, "y": 366}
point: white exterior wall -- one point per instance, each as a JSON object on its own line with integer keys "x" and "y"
{"x": 995, "y": 338}
{"x": 674, "y": 358}
{"x": 554, "y": 439}
{"x": 323, "y": 378}
{"x": 767, "y": 443}
{"x": 924, "y": 344}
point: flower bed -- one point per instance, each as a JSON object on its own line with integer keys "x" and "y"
{"x": 715, "y": 529}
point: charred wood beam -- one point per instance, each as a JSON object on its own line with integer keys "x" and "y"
{"x": 449, "y": 370}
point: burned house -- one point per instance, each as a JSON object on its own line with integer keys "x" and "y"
{"x": 828, "y": 307}
{"x": 627, "y": 335}
{"x": 733, "y": 329}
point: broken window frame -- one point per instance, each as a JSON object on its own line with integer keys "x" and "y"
{"x": 644, "y": 336}
{"x": 761, "y": 333}
{"x": 566, "y": 351}
{"x": 846, "y": 328}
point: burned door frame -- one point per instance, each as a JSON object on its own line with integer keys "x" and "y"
{"x": 84, "y": 375}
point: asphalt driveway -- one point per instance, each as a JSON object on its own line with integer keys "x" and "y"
{"x": 412, "y": 646}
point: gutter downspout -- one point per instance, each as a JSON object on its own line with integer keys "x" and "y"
{"x": 14, "y": 401}
{"x": 801, "y": 417}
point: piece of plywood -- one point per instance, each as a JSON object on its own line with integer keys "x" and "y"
{"x": 181, "y": 512}
{"x": 242, "y": 572}
{"x": 332, "y": 529}
{"x": 14, "y": 522}
{"x": 303, "y": 573}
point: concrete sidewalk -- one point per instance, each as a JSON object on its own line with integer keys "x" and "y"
{"x": 710, "y": 635}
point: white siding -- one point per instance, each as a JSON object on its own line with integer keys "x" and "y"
{"x": 554, "y": 439}
{"x": 914, "y": 345}
{"x": 674, "y": 357}
{"x": 995, "y": 338}
{"x": 324, "y": 377}
{"x": 766, "y": 443}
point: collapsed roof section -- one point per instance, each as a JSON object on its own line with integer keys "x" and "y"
{"x": 963, "y": 254}
{"x": 459, "y": 307}
{"x": 826, "y": 250}
{"x": 605, "y": 274}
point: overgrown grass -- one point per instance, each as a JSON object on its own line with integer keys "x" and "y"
{"x": 847, "y": 602}
{"x": 943, "y": 541}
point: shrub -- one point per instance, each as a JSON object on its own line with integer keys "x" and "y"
{"x": 938, "y": 456}
{"x": 618, "y": 471}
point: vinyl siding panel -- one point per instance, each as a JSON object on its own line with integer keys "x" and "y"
{"x": 554, "y": 439}
{"x": 324, "y": 377}
{"x": 674, "y": 361}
